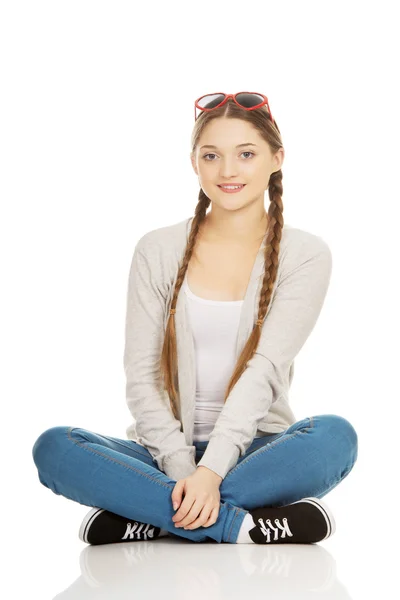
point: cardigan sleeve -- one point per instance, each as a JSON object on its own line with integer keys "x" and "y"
{"x": 156, "y": 427}
{"x": 292, "y": 315}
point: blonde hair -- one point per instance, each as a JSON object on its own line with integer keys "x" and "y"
{"x": 269, "y": 131}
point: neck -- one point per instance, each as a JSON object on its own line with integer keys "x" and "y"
{"x": 230, "y": 227}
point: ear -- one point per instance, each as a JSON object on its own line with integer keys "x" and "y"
{"x": 279, "y": 158}
{"x": 193, "y": 160}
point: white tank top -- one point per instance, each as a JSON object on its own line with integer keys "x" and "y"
{"x": 214, "y": 325}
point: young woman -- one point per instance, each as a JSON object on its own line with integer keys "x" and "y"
{"x": 218, "y": 307}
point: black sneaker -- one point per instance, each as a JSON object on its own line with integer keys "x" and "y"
{"x": 101, "y": 526}
{"x": 305, "y": 521}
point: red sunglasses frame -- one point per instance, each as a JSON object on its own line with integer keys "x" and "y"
{"x": 233, "y": 96}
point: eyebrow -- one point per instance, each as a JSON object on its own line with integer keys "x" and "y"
{"x": 238, "y": 146}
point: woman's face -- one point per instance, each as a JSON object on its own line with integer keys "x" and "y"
{"x": 251, "y": 164}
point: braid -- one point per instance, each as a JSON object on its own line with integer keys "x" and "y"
{"x": 259, "y": 118}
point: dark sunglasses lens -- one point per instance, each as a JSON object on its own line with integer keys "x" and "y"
{"x": 249, "y": 100}
{"x": 211, "y": 101}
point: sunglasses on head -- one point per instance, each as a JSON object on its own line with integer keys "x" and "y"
{"x": 246, "y": 100}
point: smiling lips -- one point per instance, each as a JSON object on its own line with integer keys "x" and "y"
{"x": 231, "y": 188}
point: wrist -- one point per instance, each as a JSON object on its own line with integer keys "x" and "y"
{"x": 215, "y": 475}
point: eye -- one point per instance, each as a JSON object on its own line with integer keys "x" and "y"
{"x": 212, "y": 154}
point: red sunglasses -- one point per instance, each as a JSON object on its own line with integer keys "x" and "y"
{"x": 246, "y": 100}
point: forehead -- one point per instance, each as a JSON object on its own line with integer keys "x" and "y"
{"x": 226, "y": 134}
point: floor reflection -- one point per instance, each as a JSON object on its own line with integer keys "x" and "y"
{"x": 179, "y": 569}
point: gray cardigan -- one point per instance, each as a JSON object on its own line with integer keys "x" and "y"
{"x": 259, "y": 402}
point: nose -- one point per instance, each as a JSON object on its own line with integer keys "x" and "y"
{"x": 228, "y": 170}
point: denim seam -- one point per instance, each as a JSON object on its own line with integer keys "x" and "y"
{"x": 260, "y": 451}
{"x": 233, "y": 520}
{"x": 122, "y": 442}
{"x": 116, "y": 461}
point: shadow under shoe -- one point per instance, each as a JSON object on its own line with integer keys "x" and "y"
{"x": 305, "y": 521}
{"x": 101, "y": 526}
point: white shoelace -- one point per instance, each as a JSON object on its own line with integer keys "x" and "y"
{"x": 138, "y": 531}
{"x": 266, "y": 527}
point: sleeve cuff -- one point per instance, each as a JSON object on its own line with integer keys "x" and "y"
{"x": 221, "y": 455}
{"x": 179, "y": 465}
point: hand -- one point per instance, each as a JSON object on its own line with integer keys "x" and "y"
{"x": 200, "y": 507}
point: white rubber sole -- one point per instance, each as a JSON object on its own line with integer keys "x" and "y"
{"x": 92, "y": 514}
{"x": 329, "y": 518}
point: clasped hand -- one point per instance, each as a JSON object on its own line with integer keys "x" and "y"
{"x": 201, "y": 503}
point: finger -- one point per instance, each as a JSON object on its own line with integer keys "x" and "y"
{"x": 203, "y": 517}
{"x": 183, "y": 509}
{"x": 210, "y": 521}
{"x": 176, "y": 495}
{"x": 193, "y": 513}
{"x": 213, "y": 517}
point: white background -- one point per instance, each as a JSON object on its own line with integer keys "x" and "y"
{"x": 96, "y": 117}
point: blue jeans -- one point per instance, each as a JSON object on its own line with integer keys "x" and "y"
{"x": 308, "y": 459}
